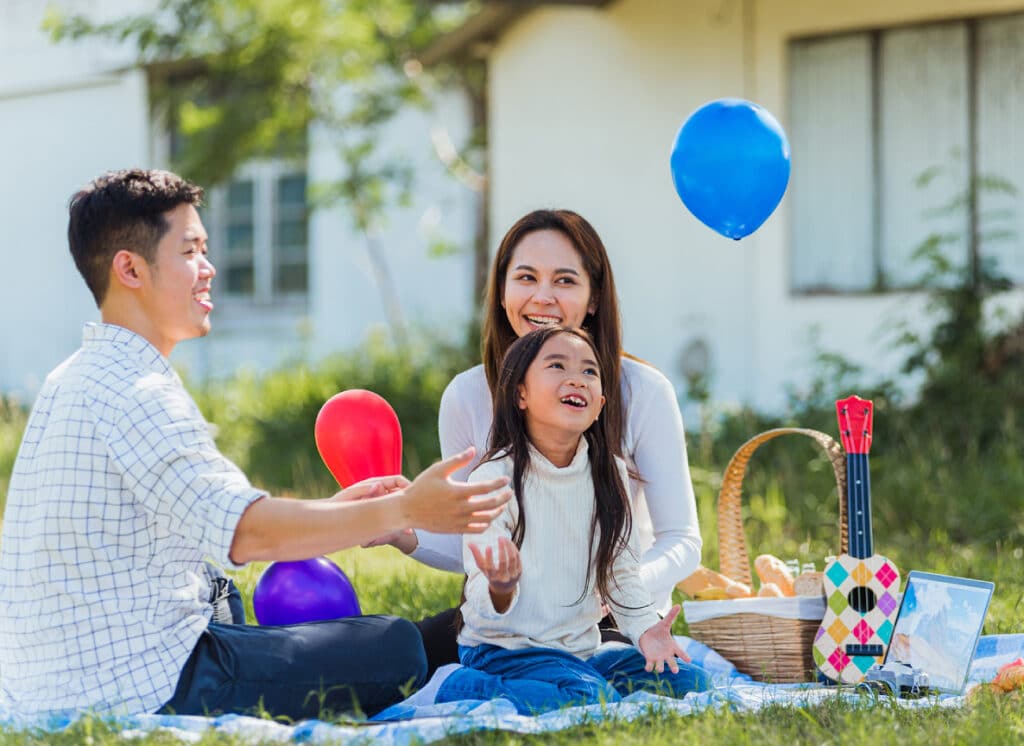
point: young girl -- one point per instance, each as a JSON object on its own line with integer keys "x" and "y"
{"x": 536, "y": 577}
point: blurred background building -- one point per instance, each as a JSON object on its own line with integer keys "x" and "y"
{"x": 905, "y": 120}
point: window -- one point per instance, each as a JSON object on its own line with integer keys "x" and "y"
{"x": 889, "y": 131}
{"x": 259, "y": 231}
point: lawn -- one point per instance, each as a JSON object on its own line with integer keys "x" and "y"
{"x": 388, "y": 582}
{"x": 959, "y": 516}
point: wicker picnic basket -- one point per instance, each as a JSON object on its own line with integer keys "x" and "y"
{"x": 768, "y": 647}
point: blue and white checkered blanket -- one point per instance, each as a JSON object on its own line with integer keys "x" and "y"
{"x": 419, "y": 720}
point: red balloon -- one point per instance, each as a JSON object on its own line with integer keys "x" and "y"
{"x": 358, "y": 436}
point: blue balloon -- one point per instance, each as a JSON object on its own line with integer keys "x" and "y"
{"x": 730, "y": 165}
{"x": 304, "y": 591}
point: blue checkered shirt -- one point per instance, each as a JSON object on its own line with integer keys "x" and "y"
{"x": 117, "y": 496}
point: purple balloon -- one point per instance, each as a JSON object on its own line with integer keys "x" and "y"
{"x": 304, "y": 591}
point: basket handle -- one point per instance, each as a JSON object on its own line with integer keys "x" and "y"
{"x": 734, "y": 560}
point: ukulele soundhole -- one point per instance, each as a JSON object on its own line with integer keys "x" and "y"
{"x": 862, "y": 599}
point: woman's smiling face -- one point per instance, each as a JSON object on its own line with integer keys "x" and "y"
{"x": 546, "y": 284}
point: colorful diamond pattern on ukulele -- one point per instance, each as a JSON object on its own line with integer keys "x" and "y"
{"x": 887, "y": 574}
{"x": 837, "y": 573}
{"x": 863, "y": 631}
{"x": 861, "y": 574}
{"x": 839, "y": 660}
{"x": 887, "y": 603}
{"x": 837, "y": 603}
{"x": 837, "y": 630}
{"x": 844, "y": 625}
{"x": 864, "y": 662}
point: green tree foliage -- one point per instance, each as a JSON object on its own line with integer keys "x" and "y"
{"x": 246, "y": 78}
{"x": 243, "y": 79}
{"x": 971, "y": 360}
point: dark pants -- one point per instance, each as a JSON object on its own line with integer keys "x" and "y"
{"x": 354, "y": 666}
{"x": 439, "y": 635}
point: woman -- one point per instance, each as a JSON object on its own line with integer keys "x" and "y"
{"x": 552, "y": 268}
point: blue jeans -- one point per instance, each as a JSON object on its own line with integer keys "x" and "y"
{"x": 353, "y": 666}
{"x": 540, "y": 679}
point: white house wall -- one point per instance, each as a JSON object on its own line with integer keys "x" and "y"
{"x": 585, "y": 104}
{"x": 64, "y": 118}
{"x": 434, "y": 292}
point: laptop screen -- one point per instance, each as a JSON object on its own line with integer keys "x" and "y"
{"x": 938, "y": 626}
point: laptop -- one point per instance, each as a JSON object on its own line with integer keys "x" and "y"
{"x": 938, "y": 626}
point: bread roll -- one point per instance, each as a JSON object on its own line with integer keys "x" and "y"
{"x": 703, "y": 579}
{"x": 769, "y": 590}
{"x": 770, "y": 569}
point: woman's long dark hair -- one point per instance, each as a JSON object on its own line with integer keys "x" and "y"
{"x": 613, "y": 518}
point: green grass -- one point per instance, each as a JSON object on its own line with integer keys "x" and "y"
{"x": 934, "y": 511}
{"x": 985, "y": 722}
{"x": 390, "y": 583}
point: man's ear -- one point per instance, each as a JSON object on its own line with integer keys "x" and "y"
{"x": 127, "y": 268}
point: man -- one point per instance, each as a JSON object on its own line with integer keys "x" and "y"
{"x": 118, "y": 494}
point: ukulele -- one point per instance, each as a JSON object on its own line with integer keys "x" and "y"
{"x": 861, "y": 587}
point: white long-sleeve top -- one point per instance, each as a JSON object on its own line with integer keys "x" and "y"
{"x": 653, "y": 444}
{"x": 547, "y": 609}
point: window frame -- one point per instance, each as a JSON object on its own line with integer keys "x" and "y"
{"x": 973, "y": 231}
{"x": 265, "y": 175}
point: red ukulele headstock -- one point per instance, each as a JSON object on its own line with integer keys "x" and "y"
{"x": 855, "y": 416}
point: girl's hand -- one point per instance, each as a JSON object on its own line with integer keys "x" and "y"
{"x": 502, "y": 571}
{"x": 659, "y": 647}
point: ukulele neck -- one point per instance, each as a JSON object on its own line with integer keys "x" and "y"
{"x": 858, "y": 505}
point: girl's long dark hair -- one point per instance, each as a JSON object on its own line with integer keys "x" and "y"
{"x": 613, "y": 518}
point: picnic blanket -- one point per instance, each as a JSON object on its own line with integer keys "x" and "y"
{"x": 419, "y": 720}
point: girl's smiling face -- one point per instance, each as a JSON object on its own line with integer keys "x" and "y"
{"x": 546, "y": 284}
{"x": 561, "y": 393}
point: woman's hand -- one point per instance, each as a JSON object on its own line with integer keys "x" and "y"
{"x": 660, "y": 648}
{"x": 405, "y": 541}
{"x": 372, "y": 487}
{"x": 502, "y": 571}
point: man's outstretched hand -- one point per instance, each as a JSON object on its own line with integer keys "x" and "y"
{"x": 436, "y": 503}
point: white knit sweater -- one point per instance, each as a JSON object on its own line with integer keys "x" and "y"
{"x": 545, "y": 611}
